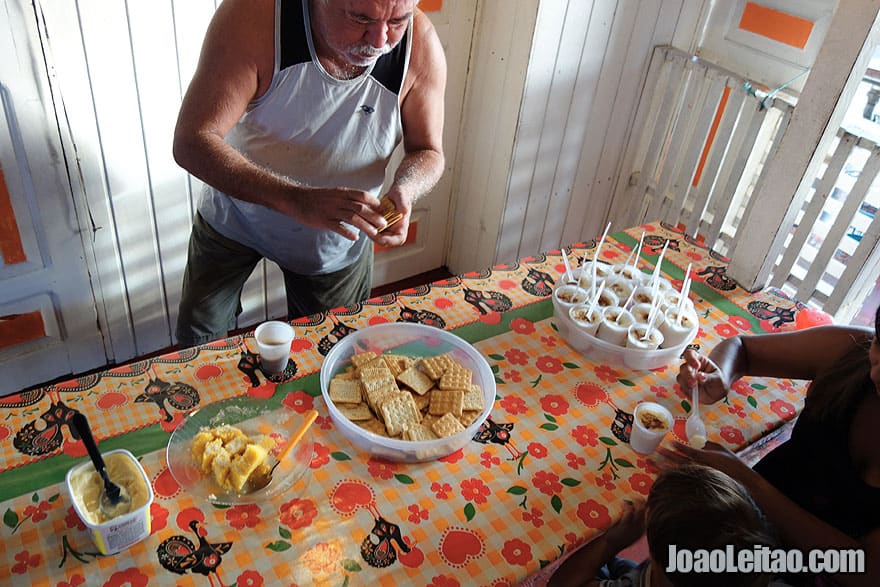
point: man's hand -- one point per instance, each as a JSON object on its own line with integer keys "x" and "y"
{"x": 336, "y": 209}
{"x": 395, "y": 235}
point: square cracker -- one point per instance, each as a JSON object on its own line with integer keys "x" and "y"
{"x": 375, "y": 397}
{"x": 419, "y": 432}
{"x": 362, "y": 358}
{"x": 446, "y": 401}
{"x": 355, "y": 412}
{"x": 468, "y": 417}
{"x": 397, "y": 364}
{"x": 371, "y": 384}
{"x": 473, "y": 399}
{"x": 447, "y": 426}
{"x": 373, "y": 425}
{"x": 436, "y": 366}
{"x": 416, "y": 380}
{"x": 456, "y": 377}
{"x": 345, "y": 391}
{"x": 399, "y": 413}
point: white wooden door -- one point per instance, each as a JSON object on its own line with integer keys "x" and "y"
{"x": 48, "y": 318}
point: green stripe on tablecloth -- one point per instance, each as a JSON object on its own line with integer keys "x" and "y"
{"x": 41, "y": 474}
{"x": 698, "y": 287}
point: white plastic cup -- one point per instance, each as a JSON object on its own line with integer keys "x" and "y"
{"x": 570, "y": 295}
{"x": 615, "y": 325}
{"x": 273, "y": 340}
{"x": 620, "y": 286}
{"x": 674, "y": 333}
{"x": 635, "y": 338}
{"x": 651, "y": 422}
{"x": 585, "y": 320}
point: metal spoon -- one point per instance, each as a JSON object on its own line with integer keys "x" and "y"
{"x": 261, "y": 479}
{"x": 115, "y": 500}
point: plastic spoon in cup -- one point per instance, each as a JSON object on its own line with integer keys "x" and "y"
{"x": 260, "y": 481}
{"x": 694, "y": 427}
{"x": 568, "y": 274}
{"x": 115, "y": 500}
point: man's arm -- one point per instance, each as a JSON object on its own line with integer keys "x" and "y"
{"x": 422, "y": 113}
{"x": 235, "y": 67}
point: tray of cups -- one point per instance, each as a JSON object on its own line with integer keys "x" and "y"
{"x": 610, "y": 322}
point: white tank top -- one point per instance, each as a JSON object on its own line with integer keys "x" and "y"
{"x": 318, "y": 130}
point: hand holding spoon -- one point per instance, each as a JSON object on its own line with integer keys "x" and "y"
{"x": 694, "y": 427}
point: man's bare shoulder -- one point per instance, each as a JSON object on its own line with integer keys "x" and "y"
{"x": 427, "y": 58}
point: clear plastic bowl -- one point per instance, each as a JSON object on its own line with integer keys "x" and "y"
{"x": 415, "y": 340}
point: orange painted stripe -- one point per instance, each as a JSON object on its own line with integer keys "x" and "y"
{"x": 431, "y": 5}
{"x": 410, "y": 238}
{"x": 10, "y": 239}
{"x": 18, "y": 328}
{"x": 777, "y": 25}
{"x": 719, "y": 112}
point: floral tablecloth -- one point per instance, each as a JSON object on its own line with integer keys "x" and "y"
{"x": 550, "y": 470}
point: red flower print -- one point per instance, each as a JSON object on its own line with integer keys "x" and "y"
{"x": 243, "y": 516}
{"x": 549, "y": 341}
{"x": 593, "y": 514}
{"x": 443, "y": 303}
{"x": 732, "y": 435}
{"x": 381, "y": 469}
{"x": 298, "y": 401}
{"x": 607, "y": 374}
{"x": 444, "y": 581}
{"x": 417, "y": 514}
{"x": 694, "y": 255}
{"x": 250, "y": 579}
{"x": 648, "y": 466}
{"x": 786, "y": 385}
{"x": 23, "y": 560}
{"x": 487, "y": 459}
{"x": 606, "y": 481}
{"x": 441, "y": 490}
{"x": 517, "y": 552}
{"x": 575, "y": 461}
{"x": 513, "y": 405}
{"x": 534, "y": 516}
{"x": 783, "y": 409}
{"x": 737, "y": 409}
{"x": 131, "y": 577}
{"x": 71, "y": 520}
{"x": 537, "y": 450}
{"x": 298, "y": 513}
{"x": 547, "y": 482}
{"x": 725, "y": 330}
{"x": 641, "y": 483}
{"x": 740, "y": 322}
{"x": 506, "y": 284}
{"x": 320, "y": 457}
{"x": 474, "y": 490}
{"x": 548, "y": 364}
{"x": 516, "y": 357}
{"x": 585, "y": 436}
{"x": 554, "y": 404}
{"x": 324, "y": 422}
{"x": 513, "y": 376}
{"x": 491, "y": 318}
{"x": 37, "y": 512}
{"x": 159, "y": 516}
{"x": 741, "y": 387}
{"x": 522, "y": 326}
{"x": 659, "y": 390}
{"x": 453, "y": 457}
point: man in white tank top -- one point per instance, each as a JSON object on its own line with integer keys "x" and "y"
{"x": 290, "y": 120}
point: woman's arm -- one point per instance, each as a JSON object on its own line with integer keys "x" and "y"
{"x": 800, "y": 354}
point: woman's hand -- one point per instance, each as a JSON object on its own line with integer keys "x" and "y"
{"x": 700, "y": 370}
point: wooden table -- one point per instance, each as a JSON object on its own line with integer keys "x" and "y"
{"x": 490, "y": 514}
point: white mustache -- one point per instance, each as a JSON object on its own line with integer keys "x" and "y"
{"x": 370, "y": 51}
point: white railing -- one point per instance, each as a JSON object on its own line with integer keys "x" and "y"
{"x": 700, "y": 142}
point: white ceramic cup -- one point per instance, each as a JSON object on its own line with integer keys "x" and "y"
{"x": 651, "y": 422}
{"x": 273, "y": 340}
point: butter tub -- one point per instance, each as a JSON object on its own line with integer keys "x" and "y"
{"x": 84, "y": 486}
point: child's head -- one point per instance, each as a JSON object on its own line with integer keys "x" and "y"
{"x": 696, "y": 507}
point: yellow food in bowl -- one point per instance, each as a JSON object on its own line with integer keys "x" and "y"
{"x": 230, "y": 456}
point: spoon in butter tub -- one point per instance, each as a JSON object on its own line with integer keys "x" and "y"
{"x": 115, "y": 500}
{"x": 262, "y": 477}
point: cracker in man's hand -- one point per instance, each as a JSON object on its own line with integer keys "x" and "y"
{"x": 399, "y": 413}
{"x": 446, "y": 401}
{"x": 355, "y": 412}
{"x": 416, "y": 380}
{"x": 447, "y": 426}
{"x": 345, "y": 391}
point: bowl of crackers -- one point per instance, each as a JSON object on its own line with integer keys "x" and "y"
{"x": 407, "y": 392}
